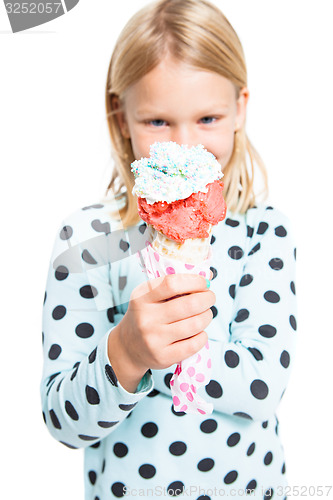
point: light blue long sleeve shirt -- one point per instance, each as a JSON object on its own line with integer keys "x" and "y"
{"x": 134, "y": 443}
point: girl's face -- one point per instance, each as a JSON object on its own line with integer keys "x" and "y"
{"x": 176, "y": 102}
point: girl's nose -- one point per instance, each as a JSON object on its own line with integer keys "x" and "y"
{"x": 183, "y": 135}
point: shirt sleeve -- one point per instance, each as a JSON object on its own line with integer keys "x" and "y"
{"x": 82, "y": 399}
{"x": 251, "y": 370}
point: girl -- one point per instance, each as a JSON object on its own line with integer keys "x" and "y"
{"x": 111, "y": 343}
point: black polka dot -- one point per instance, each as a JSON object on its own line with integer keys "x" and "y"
{"x": 256, "y": 353}
{"x": 147, "y": 471}
{"x": 214, "y": 311}
{"x": 208, "y": 426}
{"x": 96, "y": 205}
{"x": 54, "y": 419}
{"x": 66, "y": 233}
{"x": 101, "y": 227}
{"x": 54, "y": 351}
{"x": 76, "y": 367}
{"x": 167, "y": 379}
{"x": 293, "y": 323}
{"x": 246, "y": 280}
{"x": 267, "y": 331}
{"x": 206, "y": 464}
{"x": 259, "y": 389}
{"x": 263, "y": 226}
{"x": 96, "y": 445}
{"x": 118, "y": 489}
{"x": 255, "y": 249}
{"x": 295, "y": 253}
{"x": 268, "y": 458}
{"x": 250, "y": 231}
{"x": 177, "y": 448}
{"x": 84, "y": 330}
{"x": 283, "y": 470}
{"x": 269, "y": 494}
{"x": 111, "y": 376}
{"x": 230, "y": 477}
{"x": 142, "y": 228}
{"x": 84, "y": 437}
{"x": 127, "y": 407}
{"x": 122, "y": 282}
{"x": 92, "y": 476}
{"x": 68, "y": 445}
{"x": 265, "y": 424}
{"x": 88, "y": 292}
{"x": 61, "y": 273}
{"x": 241, "y": 414}
{"x": 59, "y": 312}
{"x": 123, "y": 245}
{"x": 233, "y": 439}
{"x": 214, "y": 389}
{"x": 292, "y": 287}
{"x": 176, "y": 488}
{"x": 280, "y": 231}
{"x": 110, "y": 313}
{"x": 242, "y": 315}
{"x": 232, "y": 291}
{"x": 232, "y": 223}
{"x": 107, "y": 425}
{"x": 88, "y": 258}
{"x": 285, "y": 359}
{"x": 251, "y": 486}
{"x": 177, "y": 413}
{"x": 149, "y": 429}
{"x": 45, "y": 297}
{"x": 153, "y": 393}
{"x": 231, "y": 359}
{"x": 276, "y": 264}
{"x": 212, "y": 240}
{"x": 92, "y": 395}
{"x": 92, "y": 356}
{"x": 272, "y": 297}
{"x": 71, "y": 410}
{"x": 235, "y": 253}
{"x": 120, "y": 450}
{"x": 251, "y": 449}
{"x": 214, "y": 271}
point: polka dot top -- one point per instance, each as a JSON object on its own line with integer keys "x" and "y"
{"x": 135, "y": 443}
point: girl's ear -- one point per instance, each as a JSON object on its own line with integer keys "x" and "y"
{"x": 241, "y": 108}
{"x": 121, "y": 118}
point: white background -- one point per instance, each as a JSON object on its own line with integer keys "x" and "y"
{"x": 55, "y": 158}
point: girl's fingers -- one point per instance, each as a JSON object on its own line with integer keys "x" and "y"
{"x": 176, "y": 284}
{"x": 190, "y": 327}
{"x": 185, "y": 306}
{"x": 186, "y": 348}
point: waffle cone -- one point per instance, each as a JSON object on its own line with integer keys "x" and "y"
{"x": 192, "y": 251}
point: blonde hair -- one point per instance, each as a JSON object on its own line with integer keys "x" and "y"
{"x": 197, "y": 33}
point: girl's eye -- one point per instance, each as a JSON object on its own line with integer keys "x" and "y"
{"x": 208, "y": 119}
{"x": 156, "y": 123}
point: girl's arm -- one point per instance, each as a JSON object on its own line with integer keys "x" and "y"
{"x": 81, "y": 397}
{"x": 97, "y": 360}
{"x": 252, "y": 368}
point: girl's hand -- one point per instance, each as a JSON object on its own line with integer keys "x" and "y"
{"x": 164, "y": 323}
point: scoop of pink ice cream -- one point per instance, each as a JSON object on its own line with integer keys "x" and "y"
{"x": 187, "y": 218}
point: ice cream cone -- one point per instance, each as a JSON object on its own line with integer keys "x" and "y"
{"x": 192, "y": 251}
